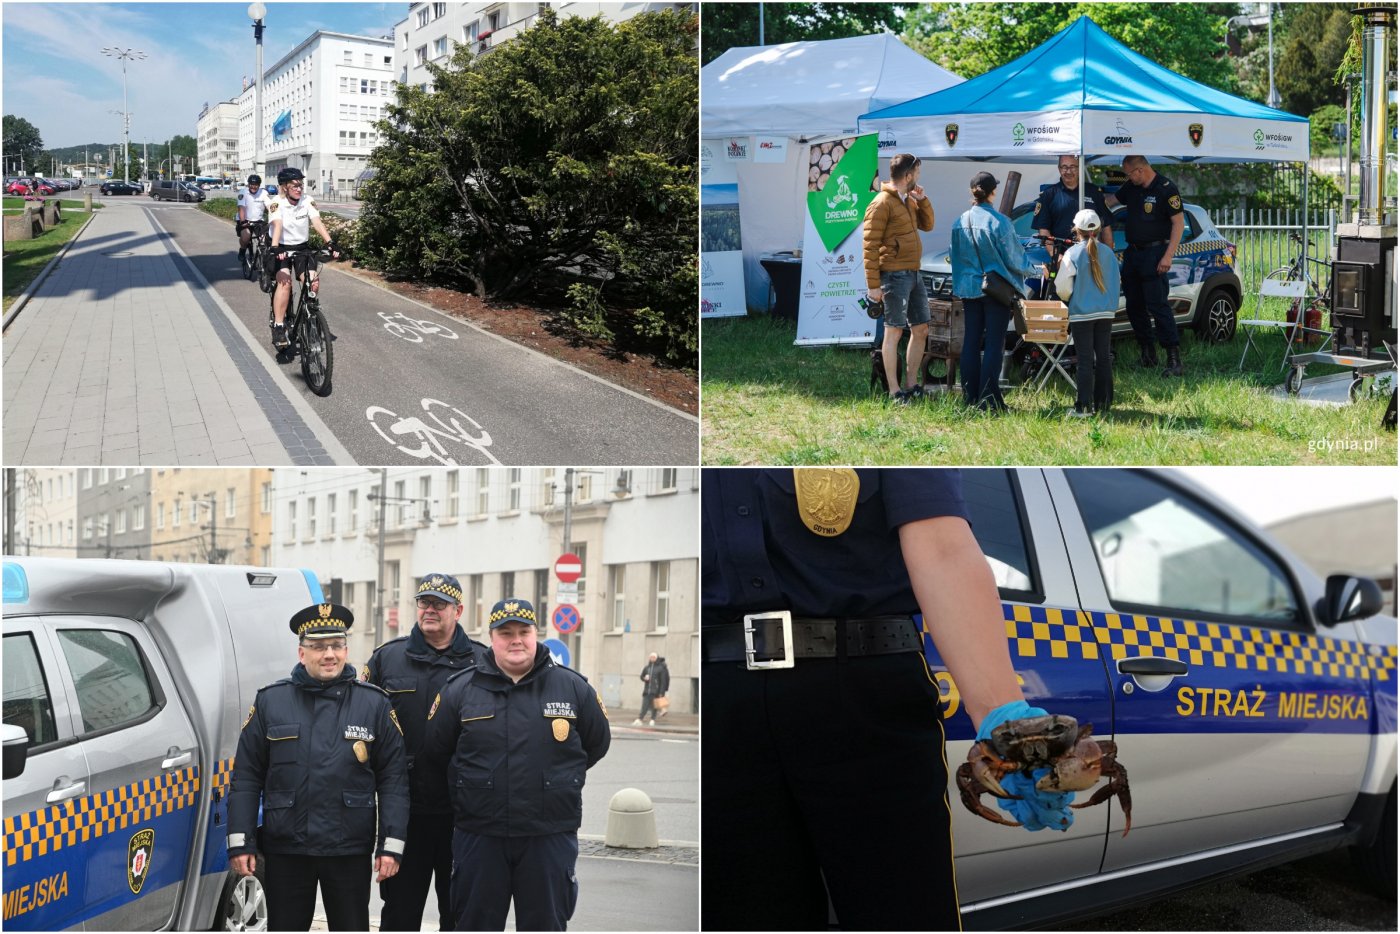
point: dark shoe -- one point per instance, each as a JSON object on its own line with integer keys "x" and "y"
{"x": 1148, "y": 360}
{"x": 279, "y": 337}
{"x": 1173, "y": 367}
{"x": 1078, "y": 412}
{"x": 903, "y": 397}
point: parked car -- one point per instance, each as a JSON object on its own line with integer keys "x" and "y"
{"x": 171, "y": 190}
{"x": 120, "y": 188}
{"x": 125, "y": 685}
{"x": 1252, "y": 703}
{"x": 1205, "y": 290}
{"x": 18, "y": 186}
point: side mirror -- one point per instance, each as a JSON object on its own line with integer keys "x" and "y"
{"x": 1349, "y": 598}
{"x": 16, "y": 749}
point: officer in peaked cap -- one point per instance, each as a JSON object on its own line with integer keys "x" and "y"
{"x": 520, "y": 732}
{"x": 412, "y": 669}
{"x": 316, "y": 749}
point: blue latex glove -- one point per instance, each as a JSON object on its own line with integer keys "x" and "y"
{"x": 1036, "y": 810}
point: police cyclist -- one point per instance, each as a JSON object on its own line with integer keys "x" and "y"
{"x": 315, "y": 750}
{"x": 292, "y": 214}
{"x": 1058, "y": 204}
{"x": 413, "y": 669}
{"x": 252, "y": 212}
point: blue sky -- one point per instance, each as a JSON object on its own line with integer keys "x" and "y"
{"x": 56, "y": 77}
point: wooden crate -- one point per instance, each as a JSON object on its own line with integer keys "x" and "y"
{"x": 1047, "y": 322}
{"x": 946, "y": 327}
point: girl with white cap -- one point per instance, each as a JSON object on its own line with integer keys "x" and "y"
{"x": 1088, "y": 282}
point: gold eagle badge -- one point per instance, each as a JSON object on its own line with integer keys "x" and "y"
{"x": 826, "y": 498}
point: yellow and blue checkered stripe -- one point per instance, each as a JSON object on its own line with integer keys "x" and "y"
{"x": 1047, "y": 632}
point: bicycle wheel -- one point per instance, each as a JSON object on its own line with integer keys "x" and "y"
{"x": 317, "y": 355}
{"x": 266, "y": 281}
{"x": 248, "y": 256}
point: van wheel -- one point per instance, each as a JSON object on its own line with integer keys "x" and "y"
{"x": 1376, "y": 863}
{"x": 243, "y": 906}
{"x": 1215, "y": 318}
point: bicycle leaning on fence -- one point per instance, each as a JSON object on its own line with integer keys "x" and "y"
{"x": 309, "y": 337}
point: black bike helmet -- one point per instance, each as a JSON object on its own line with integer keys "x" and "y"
{"x": 289, "y": 174}
{"x": 255, "y": 180}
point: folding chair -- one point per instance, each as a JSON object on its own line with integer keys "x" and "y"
{"x": 1295, "y": 289}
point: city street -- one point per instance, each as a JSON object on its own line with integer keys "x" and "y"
{"x": 145, "y": 345}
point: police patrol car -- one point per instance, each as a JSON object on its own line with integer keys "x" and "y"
{"x": 125, "y": 687}
{"x": 1252, "y": 703}
{"x": 1204, "y": 289}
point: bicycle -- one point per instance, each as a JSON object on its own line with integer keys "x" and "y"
{"x": 255, "y": 257}
{"x": 1309, "y": 309}
{"x": 309, "y": 336}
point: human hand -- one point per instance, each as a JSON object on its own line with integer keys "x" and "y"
{"x": 875, "y": 295}
{"x": 917, "y": 192}
{"x": 244, "y": 865}
{"x": 1164, "y": 264}
{"x": 1015, "y": 710}
{"x": 1036, "y": 810}
{"x": 385, "y": 867}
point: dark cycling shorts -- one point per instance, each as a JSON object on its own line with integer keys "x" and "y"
{"x": 300, "y": 256}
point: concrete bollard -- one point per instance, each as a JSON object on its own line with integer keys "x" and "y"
{"x": 51, "y": 216}
{"x": 19, "y": 227}
{"x": 87, "y": 201}
{"x": 631, "y": 820}
{"x": 36, "y": 218}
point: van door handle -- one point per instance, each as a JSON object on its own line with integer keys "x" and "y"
{"x": 63, "y": 794}
{"x": 1151, "y": 665}
{"x": 175, "y": 758}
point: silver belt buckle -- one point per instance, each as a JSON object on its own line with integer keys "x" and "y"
{"x": 786, "y": 661}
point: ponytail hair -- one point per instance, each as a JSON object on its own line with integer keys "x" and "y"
{"x": 1095, "y": 270}
{"x": 980, "y": 195}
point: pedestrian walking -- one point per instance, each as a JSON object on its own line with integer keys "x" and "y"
{"x": 315, "y": 751}
{"x": 656, "y": 681}
{"x": 513, "y": 738}
{"x": 412, "y": 669}
{"x": 833, "y": 771}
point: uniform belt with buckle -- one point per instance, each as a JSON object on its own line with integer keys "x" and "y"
{"x": 776, "y": 640}
{"x": 1147, "y": 244}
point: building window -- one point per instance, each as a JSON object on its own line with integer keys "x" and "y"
{"x": 311, "y": 517}
{"x": 121, "y": 522}
{"x": 401, "y": 510}
{"x": 420, "y": 55}
{"x": 478, "y": 601}
{"x": 440, "y": 47}
{"x": 661, "y": 586}
{"x": 176, "y": 513}
{"x": 267, "y": 499}
{"x": 515, "y": 489}
{"x": 423, "y": 17}
{"x": 549, "y": 484}
{"x": 425, "y": 493}
{"x": 508, "y": 585}
{"x": 581, "y": 549}
{"x": 585, "y": 488}
{"x": 330, "y": 513}
{"x": 354, "y": 510}
{"x": 230, "y": 506}
{"x": 292, "y": 518}
{"x": 439, "y": 10}
{"x": 160, "y": 515}
{"x": 265, "y": 556}
{"x": 619, "y": 598}
{"x": 138, "y": 518}
{"x": 194, "y": 510}
{"x": 349, "y": 57}
{"x": 483, "y": 491}
{"x": 87, "y": 529}
{"x": 454, "y": 479}
{"x": 668, "y": 479}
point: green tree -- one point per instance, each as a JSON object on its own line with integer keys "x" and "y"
{"x": 730, "y": 25}
{"x": 1315, "y": 37}
{"x": 563, "y": 164}
{"x": 971, "y": 39}
{"x": 23, "y": 144}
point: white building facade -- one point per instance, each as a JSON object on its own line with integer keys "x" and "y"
{"x": 216, "y": 134}
{"x": 45, "y": 516}
{"x": 432, "y": 31}
{"x": 500, "y": 531}
{"x": 319, "y": 104}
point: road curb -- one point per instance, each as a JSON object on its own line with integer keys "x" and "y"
{"x": 33, "y": 287}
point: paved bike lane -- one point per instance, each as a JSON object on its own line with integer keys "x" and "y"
{"x": 124, "y": 356}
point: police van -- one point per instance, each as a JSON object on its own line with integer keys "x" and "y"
{"x": 125, "y": 684}
{"x": 1253, "y": 704}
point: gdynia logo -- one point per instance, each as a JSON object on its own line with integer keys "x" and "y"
{"x": 1121, "y": 135}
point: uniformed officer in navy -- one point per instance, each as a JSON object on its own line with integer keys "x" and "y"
{"x": 1154, "y": 223}
{"x": 1057, "y": 205}
{"x": 413, "y": 669}
{"x": 831, "y": 775}
{"x": 520, "y": 733}
{"x": 315, "y": 751}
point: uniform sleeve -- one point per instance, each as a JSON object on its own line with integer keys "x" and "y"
{"x": 924, "y": 211}
{"x": 1041, "y": 218}
{"x": 921, "y": 493}
{"x": 1064, "y": 280}
{"x": 593, "y": 728}
{"x": 1173, "y": 198}
{"x": 246, "y": 785}
{"x": 1101, "y": 206}
{"x": 391, "y": 777}
{"x": 876, "y": 220}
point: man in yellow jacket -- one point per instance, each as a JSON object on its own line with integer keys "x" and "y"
{"x": 892, "y": 253}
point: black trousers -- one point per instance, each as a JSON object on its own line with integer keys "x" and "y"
{"x": 291, "y": 881}
{"x": 1093, "y": 373}
{"x": 829, "y": 770}
{"x": 427, "y": 857}
{"x": 1145, "y": 291}
{"x": 538, "y": 872}
{"x": 648, "y": 706}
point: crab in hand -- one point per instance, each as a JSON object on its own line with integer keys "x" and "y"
{"x": 1075, "y": 759}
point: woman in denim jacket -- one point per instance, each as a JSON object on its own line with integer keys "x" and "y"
{"x": 983, "y": 241}
{"x": 1088, "y": 282}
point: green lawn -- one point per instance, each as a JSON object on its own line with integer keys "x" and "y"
{"x": 768, "y": 402}
{"x": 25, "y": 259}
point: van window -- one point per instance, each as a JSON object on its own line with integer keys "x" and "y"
{"x": 27, "y": 702}
{"x": 1163, "y": 552}
{"x": 994, "y": 505}
{"x": 110, "y": 677}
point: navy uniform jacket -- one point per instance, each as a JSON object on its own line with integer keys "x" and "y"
{"x": 412, "y": 672}
{"x": 757, "y": 552}
{"x": 518, "y": 750}
{"x": 1057, "y": 205}
{"x": 1150, "y": 210}
{"x": 297, "y": 755}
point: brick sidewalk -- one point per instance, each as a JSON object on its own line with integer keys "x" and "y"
{"x": 124, "y": 356}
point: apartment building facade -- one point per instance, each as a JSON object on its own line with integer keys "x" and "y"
{"x": 216, "y": 134}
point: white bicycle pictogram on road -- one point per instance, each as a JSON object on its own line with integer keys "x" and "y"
{"x": 435, "y": 440}
{"x": 413, "y": 329}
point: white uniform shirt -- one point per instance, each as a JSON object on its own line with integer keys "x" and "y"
{"x": 254, "y": 205}
{"x": 295, "y": 218}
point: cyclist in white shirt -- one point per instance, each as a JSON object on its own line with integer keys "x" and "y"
{"x": 291, "y": 215}
{"x": 252, "y": 209}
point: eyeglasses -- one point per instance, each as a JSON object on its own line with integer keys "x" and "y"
{"x": 428, "y": 603}
{"x": 1069, "y": 168}
{"x": 318, "y": 646}
{"x": 294, "y": 184}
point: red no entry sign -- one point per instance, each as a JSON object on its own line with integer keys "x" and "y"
{"x": 568, "y": 568}
{"x": 566, "y": 618}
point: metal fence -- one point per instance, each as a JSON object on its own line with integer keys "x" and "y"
{"x": 1263, "y": 242}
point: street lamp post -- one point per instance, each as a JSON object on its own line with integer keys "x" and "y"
{"x": 256, "y": 12}
{"x": 125, "y": 55}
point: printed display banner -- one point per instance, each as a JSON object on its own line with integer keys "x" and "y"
{"x": 770, "y": 149}
{"x": 842, "y": 180}
{"x": 721, "y": 254}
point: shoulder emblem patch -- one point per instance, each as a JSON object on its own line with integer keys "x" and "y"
{"x": 248, "y": 719}
{"x": 394, "y": 715}
{"x": 1175, "y": 202}
{"x": 433, "y": 709}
